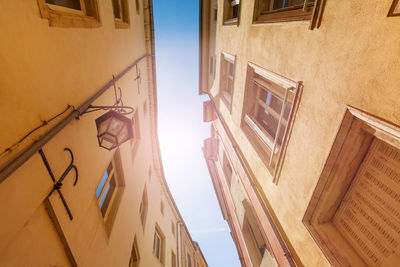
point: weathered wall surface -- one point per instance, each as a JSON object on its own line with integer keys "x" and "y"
{"x": 352, "y": 59}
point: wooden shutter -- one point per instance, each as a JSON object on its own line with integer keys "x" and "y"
{"x": 369, "y": 216}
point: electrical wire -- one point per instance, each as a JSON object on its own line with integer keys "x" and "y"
{"x": 44, "y": 123}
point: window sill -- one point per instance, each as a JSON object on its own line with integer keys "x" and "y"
{"x": 284, "y": 15}
{"x": 234, "y": 21}
{"x": 121, "y": 24}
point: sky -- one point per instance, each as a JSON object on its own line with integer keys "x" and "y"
{"x": 182, "y": 131}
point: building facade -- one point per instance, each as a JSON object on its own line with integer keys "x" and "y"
{"x": 65, "y": 199}
{"x": 304, "y": 152}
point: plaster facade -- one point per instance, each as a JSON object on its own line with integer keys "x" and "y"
{"x": 350, "y": 61}
{"x": 49, "y": 63}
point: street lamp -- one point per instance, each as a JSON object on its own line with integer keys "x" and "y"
{"x": 113, "y": 129}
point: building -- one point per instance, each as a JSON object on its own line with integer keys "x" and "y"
{"x": 67, "y": 198}
{"x": 304, "y": 152}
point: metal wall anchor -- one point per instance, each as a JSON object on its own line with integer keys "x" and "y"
{"x": 58, "y": 183}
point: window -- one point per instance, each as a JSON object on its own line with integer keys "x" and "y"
{"x": 162, "y": 207}
{"x": 70, "y": 13}
{"x": 259, "y": 251}
{"x": 268, "y": 112}
{"x": 158, "y": 245}
{"x": 226, "y": 167}
{"x": 231, "y": 12}
{"x": 173, "y": 259}
{"x": 394, "y": 9}
{"x": 288, "y": 10}
{"x": 173, "y": 228}
{"x": 137, "y": 4}
{"x": 212, "y": 69}
{"x": 227, "y": 78}
{"x": 109, "y": 191}
{"x": 143, "y": 207}
{"x": 134, "y": 260}
{"x": 121, "y": 13}
{"x": 354, "y": 213}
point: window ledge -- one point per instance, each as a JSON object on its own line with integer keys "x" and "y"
{"x": 121, "y": 24}
{"x": 233, "y": 21}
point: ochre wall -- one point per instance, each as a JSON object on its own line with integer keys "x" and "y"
{"x": 352, "y": 59}
{"x": 43, "y": 70}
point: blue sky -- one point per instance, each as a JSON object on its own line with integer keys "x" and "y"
{"x": 181, "y": 130}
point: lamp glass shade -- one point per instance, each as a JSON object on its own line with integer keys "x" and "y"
{"x": 113, "y": 129}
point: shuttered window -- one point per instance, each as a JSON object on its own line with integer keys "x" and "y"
{"x": 369, "y": 216}
{"x": 354, "y": 214}
{"x": 270, "y": 105}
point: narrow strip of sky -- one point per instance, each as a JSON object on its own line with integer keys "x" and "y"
{"x": 181, "y": 130}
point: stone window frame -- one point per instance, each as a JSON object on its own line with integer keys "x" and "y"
{"x": 307, "y": 11}
{"x": 228, "y": 12}
{"x": 88, "y": 17}
{"x": 162, "y": 207}
{"x": 173, "y": 259}
{"x": 226, "y": 93}
{"x": 111, "y": 199}
{"x": 144, "y": 204}
{"x": 159, "y": 244}
{"x": 254, "y": 132}
{"x": 135, "y": 255}
{"x": 351, "y": 144}
{"x": 123, "y": 10}
{"x": 394, "y": 10}
{"x": 253, "y": 236}
{"x": 137, "y": 5}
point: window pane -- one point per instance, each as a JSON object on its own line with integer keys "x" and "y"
{"x": 74, "y": 4}
{"x": 229, "y": 86}
{"x": 104, "y": 196}
{"x": 267, "y": 121}
{"x": 235, "y": 11}
{"x": 101, "y": 184}
{"x": 288, "y": 3}
{"x": 271, "y": 100}
{"x": 116, "y": 7}
{"x": 230, "y": 69}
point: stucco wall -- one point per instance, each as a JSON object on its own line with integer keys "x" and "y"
{"x": 352, "y": 59}
{"x": 43, "y": 70}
